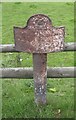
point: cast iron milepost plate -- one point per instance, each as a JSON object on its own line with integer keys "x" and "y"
{"x": 39, "y": 36}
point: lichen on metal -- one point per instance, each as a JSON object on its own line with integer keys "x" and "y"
{"x": 39, "y": 36}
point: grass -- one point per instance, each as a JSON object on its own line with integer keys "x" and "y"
{"x": 0, "y": 99}
{"x": 18, "y": 94}
{"x": 18, "y": 99}
{"x": 0, "y": 62}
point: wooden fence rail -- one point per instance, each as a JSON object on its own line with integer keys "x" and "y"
{"x": 11, "y": 47}
{"x": 27, "y": 73}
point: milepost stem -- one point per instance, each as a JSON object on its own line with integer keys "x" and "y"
{"x": 40, "y": 77}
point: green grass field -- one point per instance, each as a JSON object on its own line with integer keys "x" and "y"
{"x": 18, "y": 94}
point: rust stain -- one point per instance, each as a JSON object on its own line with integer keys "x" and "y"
{"x": 39, "y": 36}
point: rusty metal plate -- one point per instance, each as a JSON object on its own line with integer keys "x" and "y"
{"x": 39, "y": 36}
